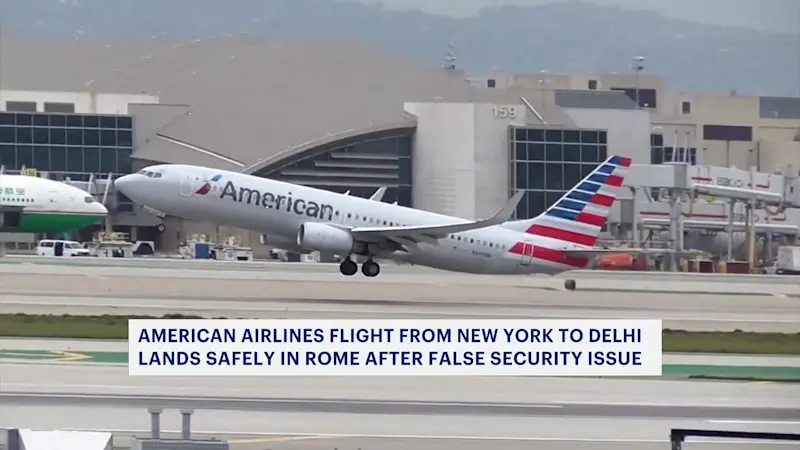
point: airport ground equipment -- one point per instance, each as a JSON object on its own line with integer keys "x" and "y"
{"x": 788, "y": 260}
{"x": 677, "y": 436}
{"x": 185, "y": 442}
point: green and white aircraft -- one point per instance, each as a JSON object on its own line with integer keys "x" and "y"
{"x": 31, "y": 204}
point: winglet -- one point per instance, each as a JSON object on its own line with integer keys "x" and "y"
{"x": 506, "y": 212}
{"x": 378, "y": 195}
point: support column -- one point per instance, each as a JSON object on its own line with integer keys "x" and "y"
{"x": 674, "y": 228}
{"x": 186, "y": 423}
{"x": 634, "y": 220}
{"x": 752, "y": 235}
{"x": 731, "y": 209}
{"x": 155, "y": 422}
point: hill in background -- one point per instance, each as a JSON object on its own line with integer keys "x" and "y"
{"x": 560, "y": 37}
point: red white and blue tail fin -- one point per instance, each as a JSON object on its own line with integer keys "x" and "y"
{"x": 578, "y": 216}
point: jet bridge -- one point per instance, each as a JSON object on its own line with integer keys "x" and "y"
{"x": 679, "y": 193}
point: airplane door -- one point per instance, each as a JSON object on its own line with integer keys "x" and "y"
{"x": 527, "y": 253}
{"x": 187, "y": 185}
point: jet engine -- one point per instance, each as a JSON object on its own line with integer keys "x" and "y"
{"x": 325, "y": 238}
{"x": 282, "y": 243}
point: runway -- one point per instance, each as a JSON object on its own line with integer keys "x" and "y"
{"x": 395, "y": 413}
{"x": 428, "y": 413}
{"x": 60, "y": 294}
{"x": 391, "y": 269}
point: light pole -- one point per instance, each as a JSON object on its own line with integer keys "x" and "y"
{"x": 637, "y": 64}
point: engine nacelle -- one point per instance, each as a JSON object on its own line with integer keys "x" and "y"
{"x": 325, "y": 238}
{"x": 281, "y": 243}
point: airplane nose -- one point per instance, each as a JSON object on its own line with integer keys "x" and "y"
{"x": 125, "y": 183}
{"x": 101, "y": 209}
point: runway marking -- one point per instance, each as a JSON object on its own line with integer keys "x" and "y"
{"x": 756, "y": 422}
{"x": 276, "y": 400}
{"x": 269, "y": 440}
{"x": 224, "y": 307}
{"x": 98, "y": 277}
{"x": 420, "y": 437}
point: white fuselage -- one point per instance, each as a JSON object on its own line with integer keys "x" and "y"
{"x": 44, "y": 206}
{"x": 278, "y": 208}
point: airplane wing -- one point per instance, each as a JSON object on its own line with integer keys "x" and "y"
{"x": 378, "y": 195}
{"x": 595, "y": 252}
{"x": 432, "y": 233}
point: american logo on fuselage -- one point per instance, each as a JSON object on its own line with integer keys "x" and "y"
{"x": 206, "y": 187}
{"x": 269, "y": 200}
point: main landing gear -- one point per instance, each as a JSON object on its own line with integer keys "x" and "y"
{"x": 349, "y": 268}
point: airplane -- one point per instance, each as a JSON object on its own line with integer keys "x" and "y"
{"x": 30, "y": 204}
{"x": 558, "y": 240}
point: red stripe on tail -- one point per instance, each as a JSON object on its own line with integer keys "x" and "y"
{"x": 602, "y": 200}
{"x": 614, "y": 180}
{"x": 625, "y": 162}
{"x": 591, "y": 219}
{"x": 562, "y": 235}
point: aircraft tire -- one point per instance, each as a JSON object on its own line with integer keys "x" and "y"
{"x": 569, "y": 285}
{"x": 348, "y": 267}
{"x": 370, "y": 269}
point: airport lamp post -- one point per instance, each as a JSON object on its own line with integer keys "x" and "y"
{"x": 637, "y": 64}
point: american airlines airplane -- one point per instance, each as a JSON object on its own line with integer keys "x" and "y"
{"x": 308, "y": 219}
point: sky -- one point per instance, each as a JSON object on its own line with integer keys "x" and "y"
{"x": 767, "y": 15}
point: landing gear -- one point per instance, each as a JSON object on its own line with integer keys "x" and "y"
{"x": 370, "y": 268}
{"x": 348, "y": 267}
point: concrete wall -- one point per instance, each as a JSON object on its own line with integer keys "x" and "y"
{"x": 461, "y": 156}
{"x": 85, "y": 102}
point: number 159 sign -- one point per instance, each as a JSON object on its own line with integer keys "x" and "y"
{"x": 505, "y": 112}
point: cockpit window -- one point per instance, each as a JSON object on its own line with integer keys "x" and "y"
{"x": 89, "y": 199}
{"x": 149, "y": 174}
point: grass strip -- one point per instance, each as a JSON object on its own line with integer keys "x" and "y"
{"x": 116, "y": 327}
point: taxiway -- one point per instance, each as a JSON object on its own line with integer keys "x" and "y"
{"x": 150, "y": 292}
{"x": 429, "y": 413}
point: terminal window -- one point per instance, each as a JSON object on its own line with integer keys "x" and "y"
{"x": 360, "y": 167}
{"x": 548, "y": 162}
{"x": 74, "y": 143}
{"x": 659, "y": 154}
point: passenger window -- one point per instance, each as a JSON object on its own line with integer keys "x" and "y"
{"x": 348, "y": 215}
{"x": 472, "y": 241}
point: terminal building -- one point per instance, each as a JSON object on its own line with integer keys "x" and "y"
{"x": 339, "y": 115}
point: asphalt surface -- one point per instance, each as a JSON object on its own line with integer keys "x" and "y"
{"x": 395, "y": 413}
{"x": 116, "y": 290}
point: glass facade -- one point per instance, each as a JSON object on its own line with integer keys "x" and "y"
{"x": 360, "y": 168}
{"x": 73, "y": 145}
{"x": 545, "y": 163}
{"x": 659, "y": 154}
